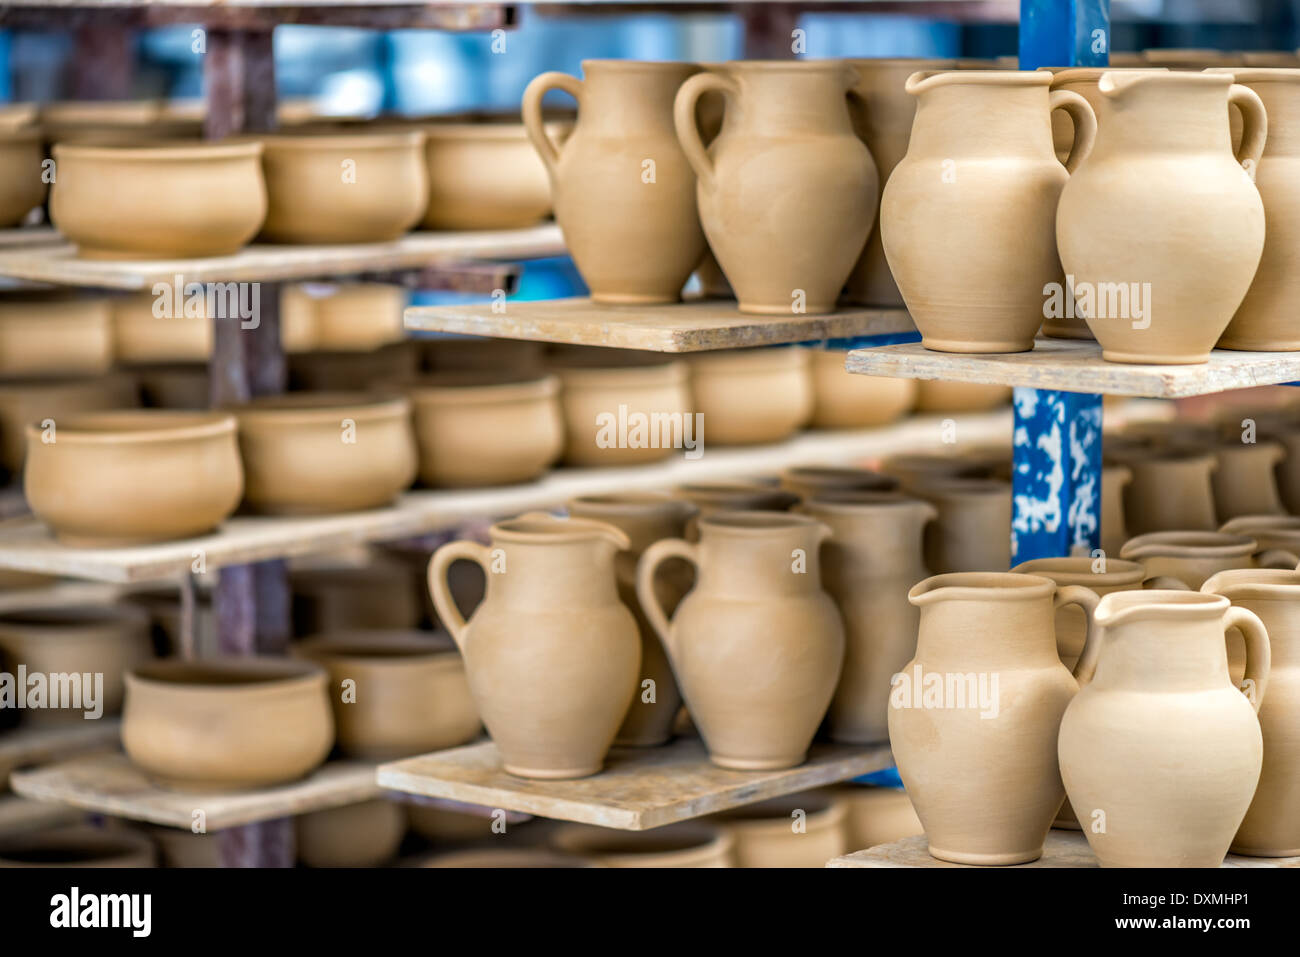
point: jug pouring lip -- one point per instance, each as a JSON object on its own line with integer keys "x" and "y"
{"x": 1064, "y": 75}
{"x": 1114, "y": 83}
{"x": 923, "y": 81}
{"x": 980, "y": 586}
{"x": 1188, "y": 545}
{"x": 1119, "y": 606}
{"x": 541, "y": 528}
{"x": 1238, "y": 584}
{"x": 754, "y": 522}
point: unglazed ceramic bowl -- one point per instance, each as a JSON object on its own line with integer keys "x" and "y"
{"x": 55, "y": 336}
{"x": 799, "y": 830}
{"x": 227, "y": 724}
{"x": 77, "y": 846}
{"x": 357, "y": 316}
{"x": 748, "y": 396}
{"x": 876, "y": 815}
{"x": 842, "y": 400}
{"x": 145, "y": 331}
{"x": 313, "y": 453}
{"x": 111, "y": 479}
{"x": 486, "y": 428}
{"x": 355, "y": 835}
{"x": 158, "y": 202}
{"x": 935, "y": 395}
{"x": 21, "y": 187}
{"x": 24, "y": 401}
{"x": 411, "y": 692}
{"x": 688, "y": 844}
{"x": 341, "y": 187}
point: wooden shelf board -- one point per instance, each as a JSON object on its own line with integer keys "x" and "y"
{"x": 27, "y": 746}
{"x": 111, "y": 784}
{"x": 1076, "y": 366}
{"x": 678, "y": 327}
{"x": 57, "y": 262}
{"x": 640, "y": 788}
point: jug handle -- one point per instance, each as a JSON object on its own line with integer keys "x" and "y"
{"x": 1087, "y": 600}
{"x": 1254, "y": 126}
{"x": 688, "y": 134}
{"x": 651, "y": 559}
{"x": 540, "y": 85}
{"x": 1276, "y": 558}
{"x": 1085, "y": 125}
{"x": 1166, "y": 582}
{"x": 442, "y": 601}
{"x": 1258, "y": 653}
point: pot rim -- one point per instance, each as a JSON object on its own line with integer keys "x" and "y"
{"x": 1245, "y": 584}
{"x": 159, "y": 153}
{"x": 1090, "y": 74}
{"x": 172, "y": 425}
{"x": 477, "y": 387}
{"x": 508, "y": 131}
{"x": 1250, "y": 525}
{"x": 277, "y": 676}
{"x": 24, "y": 134}
{"x": 376, "y": 647}
{"x": 980, "y": 586}
{"x": 858, "y": 479}
{"x": 634, "y": 502}
{"x": 542, "y": 528}
{"x": 746, "y": 361}
{"x": 960, "y": 487}
{"x": 338, "y": 139}
{"x": 97, "y": 615}
{"x": 1188, "y": 545}
{"x": 313, "y": 408}
{"x": 751, "y": 523}
{"x": 708, "y": 840}
{"x": 848, "y": 501}
{"x": 814, "y": 65}
{"x": 116, "y": 843}
{"x": 1258, "y": 74}
{"x": 922, "y": 81}
{"x": 1077, "y": 570}
{"x": 1114, "y": 82}
{"x": 1114, "y": 608}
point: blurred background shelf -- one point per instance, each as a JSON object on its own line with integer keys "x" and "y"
{"x": 25, "y": 747}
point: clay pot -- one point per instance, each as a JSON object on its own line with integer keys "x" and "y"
{"x": 86, "y": 640}
{"x": 688, "y": 844}
{"x": 935, "y": 395}
{"x": 358, "y": 316}
{"x": 354, "y": 371}
{"x": 876, "y": 815}
{"x": 317, "y": 453}
{"x": 1272, "y": 533}
{"x": 470, "y": 354}
{"x": 485, "y": 428}
{"x": 486, "y": 175}
{"x": 882, "y": 113}
{"x": 1192, "y": 557}
{"x": 341, "y": 597}
{"x": 1244, "y": 482}
{"x": 1170, "y": 490}
{"x": 713, "y": 497}
{"x": 23, "y": 401}
{"x": 972, "y": 292}
{"x": 112, "y": 479}
{"x": 1271, "y": 827}
{"x": 909, "y": 468}
{"x": 409, "y": 694}
{"x": 1188, "y": 295}
{"x": 297, "y": 318}
{"x": 748, "y": 396}
{"x": 21, "y": 156}
{"x": 167, "y": 202}
{"x": 798, "y": 830}
{"x": 142, "y": 335}
{"x": 330, "y": 187}
{"x": 1159, "y": 752}
{"x": 1114, "y": 531}
{"x": 183, "y": 848}
{"x": 872, "y": 557}
{"x": 845, "y": 401}
{"x": 206, "y": 725}
{"x": 366, "y": 834}
{"x": 972, "y": 530}
{"x": 807, "y": 481}
{"x": 77, "y": 846}
{"x": 55, "y": 336}
{"x": 623, "y": 192}
{"x": 442, "y": 825}
{"x": 787, "y": 147}
{"x": 553, "y": 656}
{"x": 645, "y": 518}
{"x": 757, "y": 645}
{"x": 979, "y": 759}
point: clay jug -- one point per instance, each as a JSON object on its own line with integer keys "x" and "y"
{"x": 1245, "y": 482}
{"x": 645, "y": 517}
{"x": 1114, "y": 531}
{"x": 872, "y": 558}
{"x": 973, "y": 717}
{"x": 882, "y": 113}
{"x": 756, "y": 645}
{"x": 968, "y": 217}
{"x": 631, "y": 227}
{"x": 1272, "y": 825}
{"x": 552, "y": 656}
{"x": 807, "y": 481}
{"x": 787, "y": 193}
{"x": 1170, "y": 490}
{"x": 972, "y": 532}
{"x": 1157, "y": 278}
{"x": 1159, "y": 752}
{"x": 1277, "y": 535}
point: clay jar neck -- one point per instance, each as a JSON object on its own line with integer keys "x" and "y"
{"x": 986, "y": 620}
{"x": 536, "y": 567}
{"x": 1153, "y": 112}
{"x": 873, "y": 534}
{"x": 1273, "y": 595}
{"x": 1166, "y": 641}
{"x": 629, "y": 98}
{"x": 748, "y": 555}
{"x": 981, "y": 113}
{"x": 786, "y": 100}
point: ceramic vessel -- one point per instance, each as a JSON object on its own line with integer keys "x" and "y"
{"x": 77, "y": 846}
{"x": 1170, "y": 489}
{"x": 909, "y": 468}
{"x": 1245, "y": 482}
{"x": 872, "y": 557}
{"x": 645, "y": 518}
{"x": 1159, "y": 752}
{"x": 112, "y": 479}
{"x": 1114, "y": 530}
{"x": 439, "y": 823}
{"x": 712, "y": 497}
{"x": 55, "y": 336}
{"x": 979, "y": 759}
{"x": 1272, "y": 533}
{"x": 877, "y": 815}
{"x": 21, "y": 156}
{"x": 935, "y": 395}
{"x": 787, "y": 148}
{"x": 167, "y": 202}
{"x": 325, "y": 452}
{"x": 23, "y": 401}
{"x": 623, "y": 191}
{"x": 1148, "y": 294}
{"x": 378, "y": 369}
{"x": 357, "y": 316}
{"x": 981, "y": 172}
{"x": 748, "y": 396}
{"x": 366, "y": 834}
{"x": 845, "y": 401}
{"x": 688, "y": 844}
{"x": 144, "y": 330}
{"x": 971, "y": 532}
{"x": 757, "y": 645}
{"x": 204, "y": 725}
{"x": 485, "y": 428}
{"x": 807, "y": 481}
{"x": 553, "y": 656}
{"x": 798, "y": 830}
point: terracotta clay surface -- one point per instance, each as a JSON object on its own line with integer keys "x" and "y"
{"x": 358, "y": 316}
{"x": 55, "y": 336}
{"x": 748, "y": 396}
{"x": 798, "y": 830}
{"x": 844, "y": 401}
{"x": 935, "y": 395}
{"x": 1170, "y": 490}
{"x": 972, "y": 530}
{"x": 677, "y": 845}
{"x": 24, "y": 401}
{"x": 807, "y": 481}
{"x": 877, "y": 815}
{"x": 143, "y": 331}
{"x": 21, "y": 156}
{"x": 355, "y": 835}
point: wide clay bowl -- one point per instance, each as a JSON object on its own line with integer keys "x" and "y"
{"x": 144, "y": 332}
{"x": 21, "y": 187}
{"x": 411, "y": 694}
{"x": 55, "y": 336}
{"x": 842, "y": 400}
{"x": 677, "y": 845}
{"x": 227, "y": 724}
{"x": 486, "y": 428}
{"x": 355, "y": 835}
{"x": 77, "y": 846}
{"x": 766, "y": 834}
{"x": 358, "y": 316}
{"x": 343, "y": 187}
{"x": 133, "y": 476}
{"x": 26, "y": 400}
{"x": 315, "y": 453}
{"x": 749, "y": 396}
{"x": 158, "y": 202}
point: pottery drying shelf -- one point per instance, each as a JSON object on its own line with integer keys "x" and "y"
{"x": 111, "y": 784}
{"x": 677, "y": 327}
{"x": 640, "y": 788}
{"x": 1062, "y": 849}
{"x": 27, "y": 746}
{"x": 1074, "y": 366}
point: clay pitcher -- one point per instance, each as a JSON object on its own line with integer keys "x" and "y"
{"x": 1170, "y": 489}
{"x": 787, "y": 193}
{"x": 645, "y": 517}
{"x": 968, "y": 217}
{"x": 1271, "y": 827}
{"x": 1156, "y": 277}
{"x": 1245, "y": 482}
{"x": 756, "y": 645}
{"x": 1114, "y": 532}
{"x": 973, "y": 717}
{"x": 872, "y": 558}
{"x": 552, "y": 656}
{"x": 1159, "y": 751}
{"x": 623, "y": 192}
{"x": 972, "y": 532}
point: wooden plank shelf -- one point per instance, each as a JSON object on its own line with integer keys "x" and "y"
{"x": 111, "y": 784}
{"x": 1076, "y": 366}
{"x": 25, "y": 747}
{"x": 692, "y": 326}
{"x": 640, "y": 788}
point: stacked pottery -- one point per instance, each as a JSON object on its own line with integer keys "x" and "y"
{"x": 845, "y": 401}
{"x": 365, "y": 834}
{"x": 711, "y": 497}
{"x": 747, "y": 396}
{"x": 1170, "y": 489}
{"x": 687, "y": 844}
{"x": 798, "y": 830}
{"x": 877, "y": 815}
{"x": 972, "y": 530}
{"x": 1114, "y": 529}
{"x": 1245, "y": 482}
{"x": 913, "y": 467}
